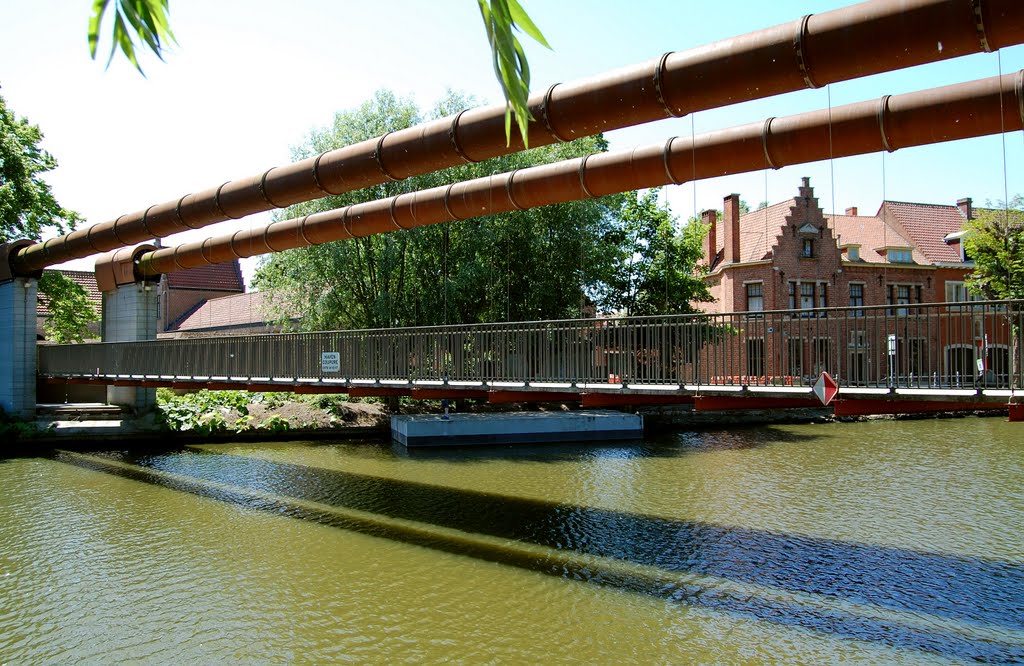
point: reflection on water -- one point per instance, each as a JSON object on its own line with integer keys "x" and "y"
{"x": 886, "y": 540}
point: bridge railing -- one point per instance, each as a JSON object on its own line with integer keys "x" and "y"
{"x": 945, "y": 345}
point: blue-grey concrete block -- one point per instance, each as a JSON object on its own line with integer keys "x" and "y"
{"x": 514, "y": 428}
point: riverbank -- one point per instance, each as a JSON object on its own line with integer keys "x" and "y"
{"x": 238, "y": 416}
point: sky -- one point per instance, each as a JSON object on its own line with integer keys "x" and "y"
{"x": 249, "y": 79}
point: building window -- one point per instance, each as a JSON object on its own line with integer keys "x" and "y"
{"x": 956, "y": 292}
{"x": 853, "y": 254}
{"x": 856, "y": 299}
{"x": 902, "y": 294}
{"x": 901, "y": 256}
{"x": 806, "y": 295}
{"x": 755, "y": 297}
{"x": 808, "y": 248}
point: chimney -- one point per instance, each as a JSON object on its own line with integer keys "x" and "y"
{"x": 731, "y": 222}
{"x": 710, "y": 220}
{"x": 965, "y": 207}
{"x": 852, "y": 211}
{"x": 806, "y": 191}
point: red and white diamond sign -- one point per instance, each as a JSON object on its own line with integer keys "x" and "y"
{"x": 825, "y": 388}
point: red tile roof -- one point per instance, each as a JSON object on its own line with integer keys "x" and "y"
{"x": 238, "y": 310}
{"x": 920, "y": 227}
{"x": 215, "y": 277}
{"x": 926, "y": 225}
{"x": 871, "y": 234}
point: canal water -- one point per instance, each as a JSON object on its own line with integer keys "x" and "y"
{"x": 877, "y": 542}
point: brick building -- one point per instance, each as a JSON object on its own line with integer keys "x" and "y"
{"x": 792, "y": 256}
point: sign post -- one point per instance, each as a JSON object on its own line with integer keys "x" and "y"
{"x": 825, "y": 388}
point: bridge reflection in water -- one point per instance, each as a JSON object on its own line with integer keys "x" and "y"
{"x": 950, "y": 351}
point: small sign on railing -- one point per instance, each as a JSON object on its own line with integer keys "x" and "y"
{"x": 330, "y": 362}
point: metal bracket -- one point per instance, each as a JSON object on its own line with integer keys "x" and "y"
{"x": 801, "y": 57}
{"x": 453, "y": 136}
{"x": 765, "y": 130}
{"x": 377, "y": 155}
{"x": 883, "y": 109}
{"x": 659, "y": 87}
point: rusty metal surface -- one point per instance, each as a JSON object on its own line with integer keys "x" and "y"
{"x": 850, "y": 42}
{"x": 976, "y": 108}
{"x": 118, "y": 268}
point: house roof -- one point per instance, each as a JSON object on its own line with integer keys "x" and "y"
{"x": 237, "y": 310}
{"x": 926, "y": 225}
{"x": 85, "y": 279}
{"x": 920, "y": 227}
{"x": 872, "y": 234}
{"x": 215, "y": 277}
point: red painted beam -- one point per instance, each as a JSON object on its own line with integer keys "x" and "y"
{"x": 504, "y": 397}
{"x": 225, "y": 386}
{"x": 189, "y": 385}
{"x": 450, "y": 394}
{"x": 320, "y": 388}
{"x": 268, "y": 387}
{"x": 1017, "y": 412}
{"x": 378, "y": 392}
{"x": 712, "y": 403}
{"x": 866, "y": 407}
{"x": 626, "y": 399}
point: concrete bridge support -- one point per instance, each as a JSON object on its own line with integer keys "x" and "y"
{"x": 130, "y": 308}
{"x": 18, "y": 346}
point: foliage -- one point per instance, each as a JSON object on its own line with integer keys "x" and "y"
{"x": 995, "y": 241}
{"x": 530, "y": 264}
{"x": 147, "y": 20}
{"x": 27, "y": 205}
{"x": 13, "y": 428}
{"x": 657, "y": 264}
{"x": 69, "y": 311}
{"x": 510, "y": 64}
{"x": 202, "y": 413}
{"x": 275, "y": 423}
{"x": 144, "y": 19}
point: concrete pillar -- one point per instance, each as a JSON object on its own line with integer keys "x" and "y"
{"x": 129, "y": 314}
{"x": 18, "y": 346}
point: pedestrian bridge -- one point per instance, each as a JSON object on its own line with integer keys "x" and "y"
{"x": 905, "y": 357}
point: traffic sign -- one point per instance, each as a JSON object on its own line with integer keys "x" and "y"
{"x": 825, "y": 388}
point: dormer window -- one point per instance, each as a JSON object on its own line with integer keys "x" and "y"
{"x": 900, "y": 255}
{"x": 853, "y": 254}
{"x": 807, "y": 250}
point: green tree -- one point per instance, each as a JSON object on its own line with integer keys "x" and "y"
{"x": 27, "y": 207}
{"x": 657, "y": 264}
{"x": 69, "y": 311}
{"x": 995, "y": 241}
{"x": 528, "y": 265}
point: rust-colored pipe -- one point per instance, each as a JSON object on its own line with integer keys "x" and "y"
{"x": 854, "y": 41}
{"x": 965, "y": 110}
